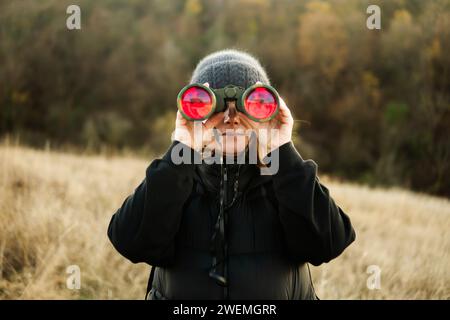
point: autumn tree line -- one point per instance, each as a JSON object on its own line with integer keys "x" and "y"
{"x": 370, "y": 105}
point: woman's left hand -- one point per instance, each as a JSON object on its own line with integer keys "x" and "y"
{"x": 284, "y": 122}
{"x": 278, "y": 131}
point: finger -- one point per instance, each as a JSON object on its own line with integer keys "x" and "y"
{"x": 283, "y": 118}
{"x": 214, "y": 120}
{"x": 249, "y": 122}
{"x": 284, "y": 110}
{"x": 206, "y": 84}
{"x": 179, "y": 116}
{"x": 283, "y": 105}
{"x": 180, "y": 119}
{"x": 211, "y": 144}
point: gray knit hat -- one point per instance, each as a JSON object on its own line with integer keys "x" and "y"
{"x": 229, "y": 66}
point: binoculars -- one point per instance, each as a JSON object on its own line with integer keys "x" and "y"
{"x": 259, "y": 102}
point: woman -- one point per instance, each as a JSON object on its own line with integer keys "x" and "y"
{"x": 225, "y": 231}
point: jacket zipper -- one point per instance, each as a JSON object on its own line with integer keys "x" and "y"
{"x": 225, "y": 218}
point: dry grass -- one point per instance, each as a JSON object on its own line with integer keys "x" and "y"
{"x": 55, "y": 209}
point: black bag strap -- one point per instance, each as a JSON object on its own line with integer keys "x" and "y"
{"x": 150, "y": 281}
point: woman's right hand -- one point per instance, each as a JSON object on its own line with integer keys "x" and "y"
{"x": 185, "y": 130}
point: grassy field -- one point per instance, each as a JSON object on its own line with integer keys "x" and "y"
{"x": 55, "y": 209}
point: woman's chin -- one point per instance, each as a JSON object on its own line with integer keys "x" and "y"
{"x": 233, "y": 145}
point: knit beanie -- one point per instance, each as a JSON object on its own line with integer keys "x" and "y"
{"x": 229, "y": 66}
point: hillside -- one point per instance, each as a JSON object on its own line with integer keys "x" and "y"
{"x": 55, "y": 209}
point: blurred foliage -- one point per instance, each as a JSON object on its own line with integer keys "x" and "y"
{"x": 373, "y": 104}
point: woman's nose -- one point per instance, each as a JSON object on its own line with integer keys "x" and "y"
{"x": 231, "y": 115}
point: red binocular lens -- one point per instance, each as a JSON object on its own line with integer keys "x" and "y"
{"x": 197, "y": 103}
{"x": 260, "y": 104}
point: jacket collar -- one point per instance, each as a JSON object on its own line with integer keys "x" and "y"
{"x": 209, "y": 175}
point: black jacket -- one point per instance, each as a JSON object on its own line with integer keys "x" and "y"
{"x": 274, "y": 227}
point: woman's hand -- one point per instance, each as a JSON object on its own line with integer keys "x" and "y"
{"x": 185, "y": 130}
{"x": 283, "y": 122}
{"x": 278, "y": 131}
